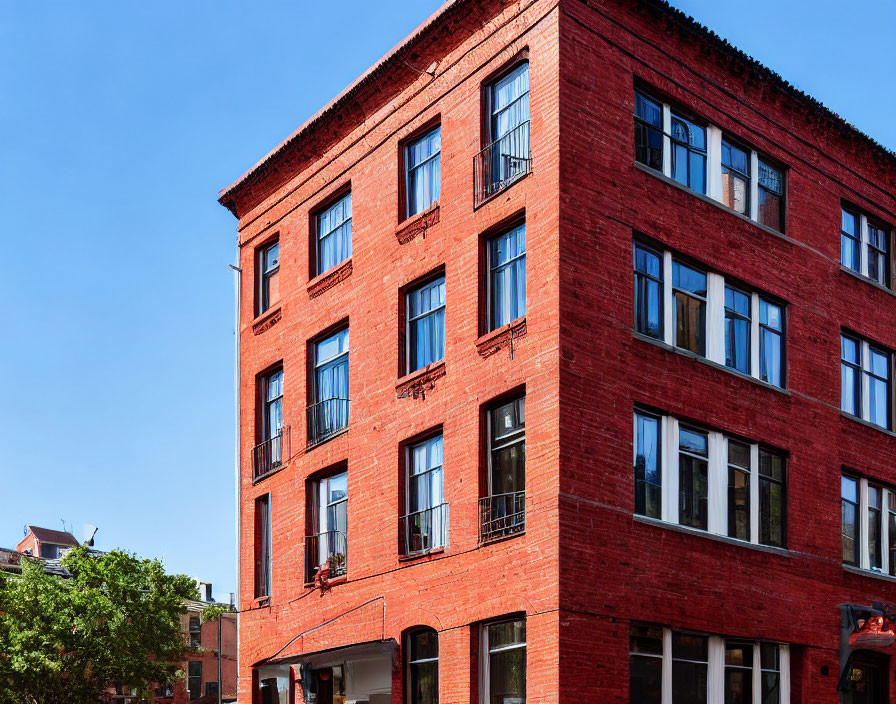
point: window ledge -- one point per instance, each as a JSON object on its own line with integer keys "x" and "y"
{"x": 341, "y": 579}
{"x": 496, "y": 340}
{"x": 867, "y": 280}
{"x": 874, "y": 574}
{"x": 267, "y": 320}
{"x": 712, "y": 201}
{"x": 867, "y": 424}
{"x": 418, "y": 224}
{"x": 327, "y": 280}
{"x": 417, "y": 383}
{"x": 262, "y": 601}
{"x": 503, "y": 189}
{"x": 421, "y": 555}
{"x": 311, "y": 444}
{"x": 708, "y": 362}
{"x": 261, "y": 477}
{"x": 658, "y": 523}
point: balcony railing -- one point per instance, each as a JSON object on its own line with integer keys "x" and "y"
{"x": 424, "y": 530}
{"x": 501, "y": 163}
{"x": 326, "y": 419}
{"x": 501, "y": 515}
{"x": 268, "y": 456}
{"x": 325, "y": 555}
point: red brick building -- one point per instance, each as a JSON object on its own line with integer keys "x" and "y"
{"x": 567, "y": 341}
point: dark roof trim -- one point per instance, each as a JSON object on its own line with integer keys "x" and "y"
{"x": 319, "y": 658}
{"x": 688, "y": 23}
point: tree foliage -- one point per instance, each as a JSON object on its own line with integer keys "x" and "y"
{"x": 114, "y": 622}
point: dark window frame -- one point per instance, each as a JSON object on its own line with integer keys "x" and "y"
{"x": 420, "y": 133}
{"x": 314, "y": 238}
{"x": 265, "y": 272}
{"x": 410, "y": 664}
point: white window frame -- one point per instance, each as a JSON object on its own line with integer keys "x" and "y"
{"x": 715, "y": 319}
{"x": 714, "y": 161}
{"x": 865, "y": 347}
{"x": 715, "y": 668}
{"x": 865, "y": 242}
{"x": 717, "y": 479}
{"x": 864, "y": 520}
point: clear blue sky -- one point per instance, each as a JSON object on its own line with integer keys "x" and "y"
{"x": 118, "y": 125}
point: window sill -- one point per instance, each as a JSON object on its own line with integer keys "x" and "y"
{"x": 712, "y": 201}
{"x": 261, "y": 477}
{"x": 656, "y": 522}
{"x": 874, "y": 574}
{"x": 417, "y": 224}
{"x": 267, "y": 320}
{"x": 418, "y": 382}
{"x": 342, "y": 579}
{"x": 261, "y": 601}
{"x": 324, "y": 282}
{"x": 420, "y": 556}
{"x": 708, "y": 362}
{"x": 503, "y": 189}
{"x": 501, "y": 539}
{"x": 867, "y": 424}
{"x": 867, "y": 280}
{"x": 496, "y": 340}
{"x": 311, "y": 444}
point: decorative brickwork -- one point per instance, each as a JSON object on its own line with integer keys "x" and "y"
{"x": 503, "y": 337}
{"x": 418, "y": 225}
{"x": 267, "y": 321}
{"x": 329, "y": 279}
{"x": 420, "y": 382}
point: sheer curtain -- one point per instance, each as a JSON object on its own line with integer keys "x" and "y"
{"x": 334, "y": 228}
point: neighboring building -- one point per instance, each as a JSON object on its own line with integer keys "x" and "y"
{"x": 607, "y": 417}
{"x": 200, "y": 683}
{"x": 46, "y": 543}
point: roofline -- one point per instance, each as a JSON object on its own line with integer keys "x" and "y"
{"x": 362, "y": 80}
{"x": 662, "y": 6}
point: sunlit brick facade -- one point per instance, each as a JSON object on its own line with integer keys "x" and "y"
{"x": 436, "y": 459}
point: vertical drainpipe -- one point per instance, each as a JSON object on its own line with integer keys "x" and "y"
{"x": 237, "y": 284}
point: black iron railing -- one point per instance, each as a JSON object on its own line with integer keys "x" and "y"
{"x": 269, "y": 455}
{"x": 501, "y": 515}
{"x": 326, "y": 419}
{"x": 325, "y": 555}
{"x": 422, "y": 531}
{"x": 501, "y": 163}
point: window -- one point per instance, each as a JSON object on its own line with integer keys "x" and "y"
{"x": 770, "y": 191}
{"x": 849, "y": 519}
{"x": 868, "y": 524}
{"x": 334, "y": 234}
{"x": 327, "y": 544}
{"x": 688, "y": 153}
{"x": 688, "y": 677}
{"x": 194, "y": 679}
{"x": 701, "y": 158}
{"x": 211, "y": 688}
{"x": 703, "y": 314}
{"x": 693, "y": 479}
{"x": 737, "y": 330}
{"x": 648, "y": 486}
{"x": 267, "y": 455}
{"x": 719, "y": 484}
{"x": 425, "y": 324}
{"x": 422, "y": 168}
{"x": 645, "y": 664}
{"x": 263, "y": 546}
{"x": 425, "y": 524}
{"x": 423, "y": 666}
{"x": 328, "y": 413}
{"x": 504, "y": 662}
{"x": 507, "y": 277}
{"x": 865, "y": 380}
{"x": 689, "y": 293}
{"x": 864, "y": 246}
{"x": 268, "y": 262}
{"x": 648, "y": 291}
{"x": 195, "y": 632}
{"x": 735, "y": 177}
{"x": 502, "y": 510}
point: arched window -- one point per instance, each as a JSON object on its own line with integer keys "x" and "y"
{"x": 422, "y": 656}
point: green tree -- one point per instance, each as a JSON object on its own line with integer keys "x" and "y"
{"x": 115, "y": 621}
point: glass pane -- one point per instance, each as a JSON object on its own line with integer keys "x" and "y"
{"x": 692, "y": 441}
{"x": 849, "y": 253}
{"x": 770, "y": 315}
{"x": 879, "y": 402}
{"x": 770, "y": 357}
{"x": 332, "y": 347}
{"x": 646, "y": 639}
{"x": 693, "y": 491}
{"x": 648, "y": 110}
{"x": 771, "y": 465}
{"x": 849, "y": 390}
{"x": 506, "y": 633}
{"x": 849, "y": 223}
{"x": 424, "y": 645}
{"x": 848, "y": 531}
{"x": 880, "y": 364}
{"x": 509, "y": 469}
{"x": 647, "y": 466}
{"x": 690, "y": 323}
{"x": 648, "y": 262}
{"x": 770, "y": 211}
{"x": 424, "y": 683}
{"x": 771, "y": 513}
{"x": 770, "y": 178}
{"x": 737, "y": 342}
{"x": 645, "y": 680}
{"x": 771, "y": 689}
{"x": 849, "y": 489}
{"x": 689, "y": 685}
{"x": 507, "y": 677}
{"x": 648, "y": 306}
{"x": 849, "y": 349}
{"x": 738, "y": 504}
